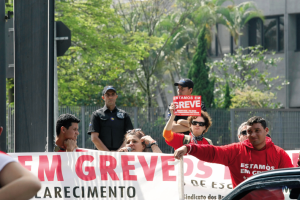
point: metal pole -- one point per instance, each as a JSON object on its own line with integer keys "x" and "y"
{"x": 2, "y": 76}
{"x": 286, "y": 57}
{"x": 135, "y": 117}
{"x": 232, "y": 125}
{"x": 83, "y": 126}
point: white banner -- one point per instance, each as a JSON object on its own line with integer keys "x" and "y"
{"x": 211, "y": 181}
{"x": 105, "y": 175}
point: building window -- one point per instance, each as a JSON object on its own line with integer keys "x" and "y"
{"x": 222, "y": 38}
{"x": 269, "y": 34}
{"x": 298, "y": 32}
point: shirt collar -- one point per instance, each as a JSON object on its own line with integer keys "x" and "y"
{"x": 106, "y": 109}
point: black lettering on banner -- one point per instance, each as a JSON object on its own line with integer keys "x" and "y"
{"x": 47, "y": 193}
{"x": 212, "y": 197}
{"x": 220, "y": 196}
{"x": 213, "y": 185}
{"x": 103, "y": 191}
{"x": 66, "y": 192}
{"x": 195, "y": 183}
{"x": 133, "y": 192}
{"x": 114, "y": 192}
{"x": 92, "y": 193}
{"x": 36, "y": 196}
{"x": 82, "y": 191}
{"x": 229, "y": 186}
{"x": 222, "y": 184}
{"x": 122, "y": 188}
{"x": 202, "y": 183}
{"x": 74, "y": 192}
{"x": 57, "y": 191}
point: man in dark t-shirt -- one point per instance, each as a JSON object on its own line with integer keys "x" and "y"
{"x": 180, "y": 123}
{"x": 109, "y": 124}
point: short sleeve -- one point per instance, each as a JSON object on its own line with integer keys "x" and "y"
{"x": 5, "y": 159}
{"x": 94, "y": 125}
{"x": 177, "y": 141}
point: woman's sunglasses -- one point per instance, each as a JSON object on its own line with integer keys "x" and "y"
{"x": 199, "y": 123}
{"x": 243, "y": 132}
{"x": 134, "y": 130}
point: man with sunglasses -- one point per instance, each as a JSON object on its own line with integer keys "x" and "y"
{"x": 242, "y": 132}
{"x": 109, "y": 124}
{"x": 180, "y": 124}
{"x": 244, "y": 159}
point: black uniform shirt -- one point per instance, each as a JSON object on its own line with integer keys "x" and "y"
{"x": 111, "y": 126}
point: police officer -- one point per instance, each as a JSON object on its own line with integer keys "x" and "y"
{"x": 180, "y": 123}
{"x": 109, "y": 124}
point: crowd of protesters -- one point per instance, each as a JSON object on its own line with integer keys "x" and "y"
{"x": 111, "y": 130}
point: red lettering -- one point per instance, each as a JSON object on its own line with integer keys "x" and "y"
{"x": 126, "y": 168}
{"x": 227, "y": 173}
{"x": 190, "y": 166}
{"x": 206, "y": 169}
{"x": 166, "y": 168}
{"x": 23, "y": 159}
{"x": 148, "y": 171}
{"x": 108, "y": 169}
{"x": 44, "y": 168}
{"x": 295, "y": 157}
{"x": 91, "y": 170}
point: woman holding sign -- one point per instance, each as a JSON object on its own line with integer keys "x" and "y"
{"x": 198, "y": 126}
{"x": 137, "y": 141}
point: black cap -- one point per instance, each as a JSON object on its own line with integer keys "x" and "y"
{"x": 106, "y": 88}
{"x": 185, "y": 83}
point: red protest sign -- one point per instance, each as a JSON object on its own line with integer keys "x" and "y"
{"x": 187, "y": 105}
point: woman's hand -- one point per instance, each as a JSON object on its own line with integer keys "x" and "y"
{"x": 172, "y": 109}
{"x": 123, "y": 149}
{"x": 147, "y": 140}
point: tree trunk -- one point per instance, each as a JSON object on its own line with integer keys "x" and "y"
{"x": 162, "y": 94}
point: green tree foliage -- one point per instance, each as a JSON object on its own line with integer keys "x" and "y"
{"x": 159, "y": 19}
{"x": 245, "y": 70}
{"x": 199, "y": 71}
{"x": 102, "y": 53}
{"x": 227, "y": 101}
{"x": 236, "y": 17}
{"x": 248, "y": 98}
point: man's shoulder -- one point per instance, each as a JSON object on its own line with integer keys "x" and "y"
{"x": 279, "y": 149}
{"x": 121, "y": 113}
{"x": 99, "y": 111}
{"x": 120, "y": 110}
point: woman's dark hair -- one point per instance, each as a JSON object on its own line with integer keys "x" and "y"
{"x": 66, "y": 121}
{"x": 206, "y": 118}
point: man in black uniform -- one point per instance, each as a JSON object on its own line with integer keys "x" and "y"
{"x": 180, "y": 123}
{"x": 109, "y": 124}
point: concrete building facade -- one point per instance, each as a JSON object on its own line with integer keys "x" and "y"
{"x": 280, "y": 32}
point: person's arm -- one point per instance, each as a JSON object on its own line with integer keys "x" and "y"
{"x": 215, "y": 154}
{"x": 17, "y": 183}
{"x": 167, "y": 132}
{"x": 70, "y": 145}
{"x": 98, "y": 143}
{"x": 147, "y": 140}
{"x": 298, "y": 163}
{"x": 179, "y": 128}
{"x": 155, "y": 149}
{"x": 285, "y": 161}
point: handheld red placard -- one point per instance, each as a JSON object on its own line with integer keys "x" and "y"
{"x": 187, "y": 105}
